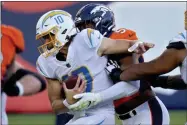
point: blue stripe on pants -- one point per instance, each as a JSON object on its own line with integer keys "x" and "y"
{"x": 156, "y": 112}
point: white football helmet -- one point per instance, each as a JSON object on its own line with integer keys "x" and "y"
{"x": 53, "y": 28}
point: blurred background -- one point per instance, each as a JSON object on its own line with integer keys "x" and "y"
{"x": 156, "y": 22}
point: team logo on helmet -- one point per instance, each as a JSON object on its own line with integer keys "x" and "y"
{"x": 100, "y": 8}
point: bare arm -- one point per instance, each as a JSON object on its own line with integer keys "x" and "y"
{"x": 112, "y": 46}
{"x": 169, "y": 60}
{"x": 54, "y": 90}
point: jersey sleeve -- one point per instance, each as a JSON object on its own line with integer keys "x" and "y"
{"x": 86, "y": 44}
{"x": 122, "y": 33}
{"x": 127, "y": 34}
{"x": 44, "y": 68}
{"x": 178, "y": 42}
{"x": 132, "y": 35}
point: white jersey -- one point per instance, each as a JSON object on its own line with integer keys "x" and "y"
{"x": 83, "y": 57}
{"x": 180, "y": 42}
{"x": 52, "y": 68}
{"x": 83, "y": 60}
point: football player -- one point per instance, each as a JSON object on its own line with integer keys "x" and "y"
{"x": 15, "y": 79}
{"x": 56, "y": 29}
{"x": 140, "y": 105}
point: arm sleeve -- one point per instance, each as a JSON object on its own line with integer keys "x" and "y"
{"x": 117, "y": 91}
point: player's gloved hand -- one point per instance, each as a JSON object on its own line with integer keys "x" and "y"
{"x": 113, "y": 70}
{"x": 87, "y": 100}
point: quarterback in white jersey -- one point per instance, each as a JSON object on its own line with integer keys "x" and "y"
{"x": 56, "y": 29}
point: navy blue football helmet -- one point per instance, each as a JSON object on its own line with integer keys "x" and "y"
{"x": 99, "y": 15}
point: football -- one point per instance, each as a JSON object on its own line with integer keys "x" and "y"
{"x": 70, "y": 84}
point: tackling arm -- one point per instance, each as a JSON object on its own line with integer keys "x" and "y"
{"x": 111, "y": 46}
{"x": 169, "y": 60}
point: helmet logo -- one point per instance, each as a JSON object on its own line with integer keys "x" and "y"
{"x": 100, "y": 8}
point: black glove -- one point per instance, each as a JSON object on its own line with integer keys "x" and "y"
{"x": 113, "y": 70}
{"x": 169, "y": 82}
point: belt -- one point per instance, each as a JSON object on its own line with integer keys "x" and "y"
{"x": 127, "y": 115}
{"x": 135, "y": 102}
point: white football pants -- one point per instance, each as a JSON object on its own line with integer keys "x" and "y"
{"x": 99, "y": 116}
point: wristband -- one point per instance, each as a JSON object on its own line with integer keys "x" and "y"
{"x": 66, "y": 103}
